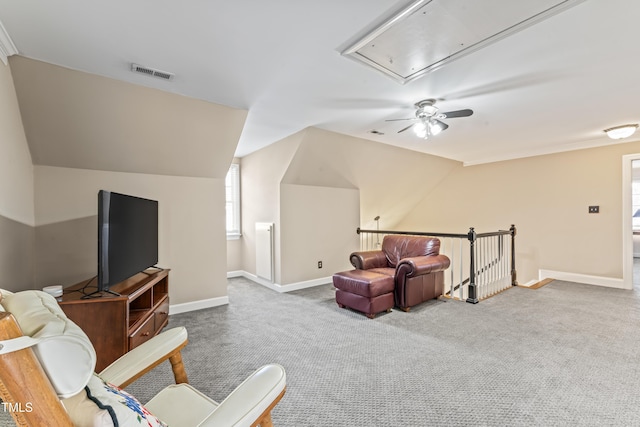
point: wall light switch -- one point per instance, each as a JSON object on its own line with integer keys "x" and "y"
{"x": 594, "y": 209}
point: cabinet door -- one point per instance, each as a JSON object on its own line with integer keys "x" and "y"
{"x": 161, "y": 315}
{"x": 145, "y": 332}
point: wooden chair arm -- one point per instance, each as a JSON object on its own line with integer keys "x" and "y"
{"x": 252, "y": 401}
{"x": 134, "y": 364}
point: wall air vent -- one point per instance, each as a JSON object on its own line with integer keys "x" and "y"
{"x": 152, "y": 72}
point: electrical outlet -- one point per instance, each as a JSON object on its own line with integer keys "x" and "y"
{"x": 594, "y": 209}
{"x": 319, "y": 264}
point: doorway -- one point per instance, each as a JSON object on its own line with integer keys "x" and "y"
{"x": 631, "y": 221}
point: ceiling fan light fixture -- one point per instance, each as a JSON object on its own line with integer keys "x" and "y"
{"x": 426, "y": 111}
{"x": 621, "y": 132}
{"x": 420, "y": 129}
{"x": 435, "y": 127}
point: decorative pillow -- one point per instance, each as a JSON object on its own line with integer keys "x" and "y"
{"x": 102, "y": 404}
{"x": 64, "y": 350}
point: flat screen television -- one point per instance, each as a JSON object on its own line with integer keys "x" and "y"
{"x": 127, "y": 237}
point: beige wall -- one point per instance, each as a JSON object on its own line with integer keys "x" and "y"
{"x": 80, "y": 120}
{"x": 86, "y": 132}
{"x": 391, "y": 181}
{"x": 547, "y": 198}
{"x": 16, "y": 193}
{"x": 330, "y": 183}
{"x": 16, "y": 170}
{"x": 191, "y": 227}
{"x": 261, "y": 173}
{"x": 317, "y": 224}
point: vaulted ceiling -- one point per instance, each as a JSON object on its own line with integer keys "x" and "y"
{"x": 552, "y": 86}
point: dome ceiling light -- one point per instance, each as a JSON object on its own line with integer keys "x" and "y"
{"x": 621, "y": 132}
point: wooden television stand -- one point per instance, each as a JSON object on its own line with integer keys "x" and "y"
{"x": 118, "y": 324}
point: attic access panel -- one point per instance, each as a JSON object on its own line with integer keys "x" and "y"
{"x": 429, "y": 33}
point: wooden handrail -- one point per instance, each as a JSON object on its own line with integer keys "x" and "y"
{"x": 411, "y": 233}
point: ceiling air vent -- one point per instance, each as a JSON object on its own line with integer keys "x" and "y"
{"x": 152, "y": 72}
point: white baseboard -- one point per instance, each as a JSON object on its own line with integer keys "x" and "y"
{"x": 215, "y": 302}
{"x": 278, "y": 287}
{"x": 237, "y": 273}
{"x": 198, "y": 305}
{"x": 608, "y": 282}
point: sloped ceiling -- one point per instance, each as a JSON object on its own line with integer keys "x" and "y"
{"x": 391, "y": 181}
{"x": 79, "y": 120}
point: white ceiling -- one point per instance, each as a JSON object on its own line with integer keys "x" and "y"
{"x": 551, "y": 87}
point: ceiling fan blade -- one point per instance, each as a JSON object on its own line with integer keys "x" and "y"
{"x": 397, "y": 120}
{"x": 403, "y": 129}
{"x": 457, "y": 113}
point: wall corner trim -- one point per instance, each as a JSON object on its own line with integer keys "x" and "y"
{"x": 278, "y": 287}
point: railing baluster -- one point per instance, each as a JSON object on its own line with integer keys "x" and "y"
{"x": 461, "y": 274}
{"x": 505, "y": 262}
{"x": 492, "y": 261}
{"x": 452, "y": 270}
{"x": 487, "y": 266}
{"x": 514, "y": 279}
{"x": 495, "y": 266}
{"x": 472, "y": 295}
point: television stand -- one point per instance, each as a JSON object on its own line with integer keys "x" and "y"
{"x": 133, "y": 312}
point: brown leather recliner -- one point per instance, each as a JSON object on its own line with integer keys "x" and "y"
{"x": 415, "y": 264}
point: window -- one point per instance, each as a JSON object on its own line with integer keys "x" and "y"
{"x": 232, "y": 190}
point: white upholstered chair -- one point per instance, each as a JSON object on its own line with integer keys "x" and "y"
{"x": 47, "y": 378}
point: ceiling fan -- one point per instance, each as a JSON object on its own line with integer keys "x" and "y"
{"x": 429, "y": 120}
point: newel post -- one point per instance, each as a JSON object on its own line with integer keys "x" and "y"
{"x": 473, "y": 291}
{"x": 514, "y": 279}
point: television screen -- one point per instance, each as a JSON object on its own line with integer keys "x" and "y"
{"x": 127, "y": 237}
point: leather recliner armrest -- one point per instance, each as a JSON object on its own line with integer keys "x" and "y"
{"x": 368, "y": 259}
{"x": 416, "y": 266}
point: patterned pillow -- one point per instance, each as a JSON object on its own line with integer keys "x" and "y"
{"x": 105, "y": 405}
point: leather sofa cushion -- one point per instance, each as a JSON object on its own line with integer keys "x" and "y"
{"x": 397, "y": 247}
{"x": 363, "y": 282}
